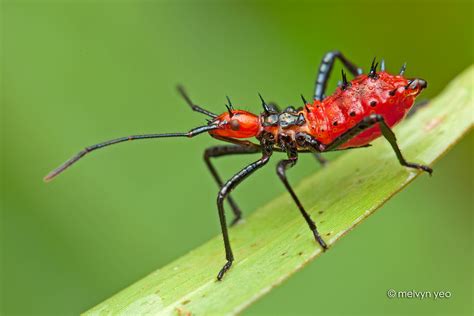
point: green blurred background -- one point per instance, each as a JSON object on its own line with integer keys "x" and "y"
{"x": 77, "y": 73}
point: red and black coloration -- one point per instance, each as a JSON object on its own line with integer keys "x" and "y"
{"x": 357, "y": 113}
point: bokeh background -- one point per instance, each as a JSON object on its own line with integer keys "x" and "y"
{"x": 76, "y": 73}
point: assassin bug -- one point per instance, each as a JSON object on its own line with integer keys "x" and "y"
{"x": 358, "y": 112}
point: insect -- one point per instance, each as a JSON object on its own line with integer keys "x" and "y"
{"x": 358, "y": 112}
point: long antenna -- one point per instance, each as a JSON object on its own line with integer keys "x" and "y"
{"x": 193, "y": 106}
{"x": 82, "y": 153}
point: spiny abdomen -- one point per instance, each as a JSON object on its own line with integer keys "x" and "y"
{"x": 382, "y": 94}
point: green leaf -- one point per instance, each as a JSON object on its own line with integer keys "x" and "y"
{"x": 274, "y": 242}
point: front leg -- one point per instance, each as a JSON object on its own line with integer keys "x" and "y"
{"x": 223, "y": 193}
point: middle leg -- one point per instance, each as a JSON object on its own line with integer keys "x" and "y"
{"x": 282, "y": 166}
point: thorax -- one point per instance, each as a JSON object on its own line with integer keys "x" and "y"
{"x": 284, "y": 126}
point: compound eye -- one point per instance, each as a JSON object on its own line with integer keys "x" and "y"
{"x": 234, "y": 125}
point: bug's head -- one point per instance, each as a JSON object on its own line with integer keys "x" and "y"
{"x": 236, "y": 124}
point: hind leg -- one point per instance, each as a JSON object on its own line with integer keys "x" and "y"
{"x": 325, "y": 71}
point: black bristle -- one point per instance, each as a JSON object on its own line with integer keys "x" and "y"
{"x": 345, "y": 84}
{"x": 305, "y": 103}
{"x": 409, "y": 83}
{"x": 229, "y": 109}
{"x": 230, "y": 103}
{"x": 304, "y": 100}
{"x": 264, "y": 104}
{"x": 261, "y": 98}
{"x": 373, "y": 70}
{"x": 402, "y": 70}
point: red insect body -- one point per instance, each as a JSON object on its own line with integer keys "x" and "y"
{"x": 351, "y": 117}
{"x": 387, "y": 95}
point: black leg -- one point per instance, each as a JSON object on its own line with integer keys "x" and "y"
{"x": 225, "y": 150}
{"x": 322, "y": 161}
{"x": 325, "y": 70}
{"x": 368, "y": 122}
{"x": 193, "y": 106}
{"x": 282, "y": 166}
{"x": 223, "y": 193}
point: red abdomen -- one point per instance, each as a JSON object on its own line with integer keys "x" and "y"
{"x": 336, "y": 114}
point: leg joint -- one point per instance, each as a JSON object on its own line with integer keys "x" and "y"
{"x": 280, "y": 169}
{"x": 222, "y": 194}
{"x": 208, "y": 153}
{"x": 331, "y": 55}
{"x": 283, "y": 164}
